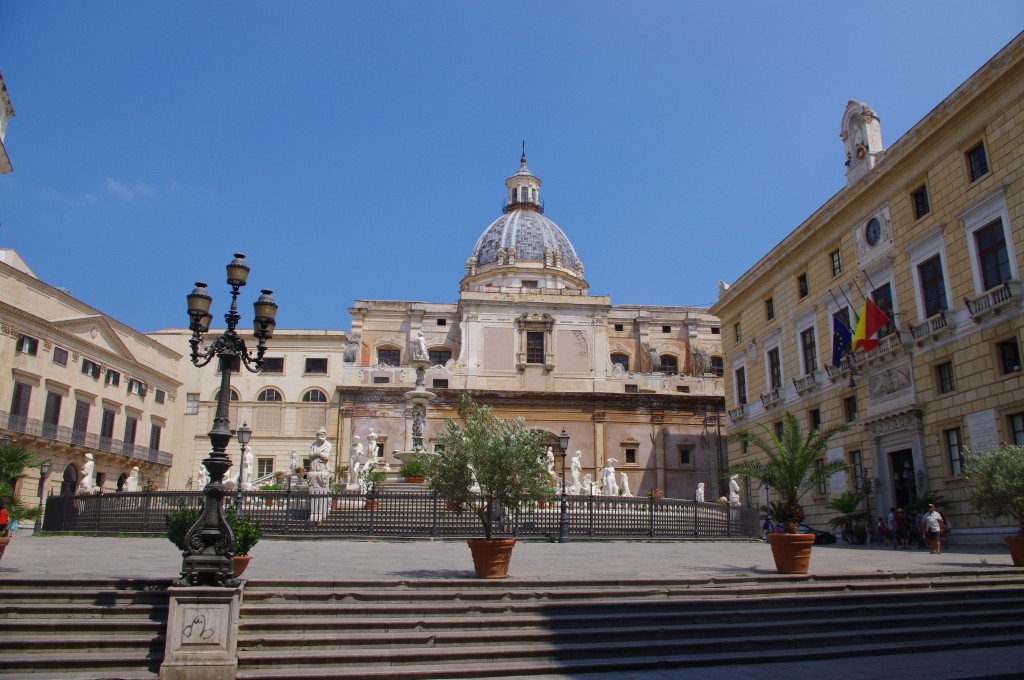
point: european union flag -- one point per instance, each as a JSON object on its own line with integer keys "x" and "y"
{"x": 841, "y": 338}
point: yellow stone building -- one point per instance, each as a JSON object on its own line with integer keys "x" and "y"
{"x": 932, "y": 229}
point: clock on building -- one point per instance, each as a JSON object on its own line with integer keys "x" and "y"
{"x": 873, "y": 231}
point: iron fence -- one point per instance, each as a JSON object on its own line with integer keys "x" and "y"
{"x": 408, "y": 514}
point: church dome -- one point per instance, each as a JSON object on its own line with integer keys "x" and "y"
{"x": 523, "y": 240}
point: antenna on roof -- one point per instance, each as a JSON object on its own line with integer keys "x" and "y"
{"x": 524, "y": 148}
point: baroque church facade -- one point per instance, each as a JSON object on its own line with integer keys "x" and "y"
{"x": 637, "y": 385}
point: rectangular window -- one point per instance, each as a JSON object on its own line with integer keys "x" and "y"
{"x": 60, "y": 356}
{"x": 318, "y": 365}
{"x": 954, "y": 449}
{"x": 136, "y": 387}
{"x": 632, "y": 389}
{"x": 857, "y": 468}
{"x": 666, "y": 329}
{"x": 809, "y": 351}
{"x": 154, "y": 436}
{"x": 837, "y": 263}
{"x": 1016, "y": 423}
{"x": 81, "y": 425}
{"x": 27, "y": 345}
{"x": 535, "y": 347}
{"x": 529, "y": 283}
{"x": 741, "y": 385}
{"x": 388, "y": 357}
{"x": 685, "y": 389}
{"x": 131, "y": 427}
{"x": 882, "y": 297}
{"x": 778, "y": 430}
{"x": 51, "y": 416}
{"x": 716, "y": 330}
{"x": 977, "y": 162}
{"x": 717, "y": 367}
{"x": 630, "y": 456}
{"x": 618, "y": 327}
{"x": 107, "y": 424}
{"x": 850, "y": 407}
{"x": 159, "y": 396}
{"x": 814, "y": 418}
{"x": 191, "y": 404}
{"x": 273, "y": 365}
{"x": 801, "y": 286}
{"x": 744, "y": 447}
{"x": 381, "y": 380}
{"x": 621, "y": 360}
{"x": 819, "y": 465}
{"x": 739, "y": 332}
{"x": 264, "y": 467}
{"x": 1009, "y": 356}
{"x": 20, "y": 400}
{"x": 91, "y": 369}
{"x": 440, "y": 356}
{"x": 919, "y": 199}
{"x": 774, "y": 369}
{"x": 441, "y": 383}
{"x": 944, "y": 373}
{"x": 933, "y": 286}
{"x": 442, "y": 322}
{"x": 769, "y": 309}
{"x": 685, "y": 456}
{"x": 993, "y": 258}
{"x": 112, "y": 378}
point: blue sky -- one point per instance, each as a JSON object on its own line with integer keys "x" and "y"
{"x": 357, "y": 150}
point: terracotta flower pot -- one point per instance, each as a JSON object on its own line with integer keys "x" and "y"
{"x": 371, "y": 503}
{"x": 3, "y": 544}
{"x": 239, "y": 563}
{"x": 414, "y": 480}
{"x": 792, "y": 552}
{"x": 491, "y": 556}
{"x": 1016, "y": 545}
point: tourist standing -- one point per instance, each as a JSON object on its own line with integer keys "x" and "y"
{"x": 933, "y": 529}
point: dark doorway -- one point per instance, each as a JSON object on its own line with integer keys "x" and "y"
{"x": 904, "y": 485}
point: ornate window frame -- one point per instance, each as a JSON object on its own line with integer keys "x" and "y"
{"x": 535, "y": 323}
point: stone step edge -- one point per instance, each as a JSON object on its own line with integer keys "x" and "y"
{"x": 533, "y": 667}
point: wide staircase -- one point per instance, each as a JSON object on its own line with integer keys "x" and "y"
{"x": 466, "y": 629}
{"x": 473, "y": 628}
{"x": 106, "y": 628}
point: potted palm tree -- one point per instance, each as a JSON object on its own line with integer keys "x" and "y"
{"x": 995, "y": 488}
{"x": 490, "y": 466}
{"x": 847, "y": 504}
{"x": 14, "y": 460}
{"x": 792, "y": 469}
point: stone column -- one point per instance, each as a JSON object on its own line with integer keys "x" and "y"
{"x": 599, "y": 451}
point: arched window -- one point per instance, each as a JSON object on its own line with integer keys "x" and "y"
{"x": 515, "y": 194}
{"x": 316, "y": 396}
{"x": 69, "y": 483}
{"x": 269, "y": 394}
{"x": 440, "y": 356}
{"x": 233, "y": 397}
{"x": 388, "y": 357}
{"x": 621, "y": 360}
{"x": 669, "y": 364}
{"x": 717, "y": 367}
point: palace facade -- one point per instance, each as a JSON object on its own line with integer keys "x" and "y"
{"x": 931, "y": 228}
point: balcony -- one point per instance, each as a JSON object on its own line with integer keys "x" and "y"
{"x": 88, "y": 440}
{"x": 773, "y": 398}
{"x": 992, "y": 301}
{"x": 806, "y": 383}
{"x": 932, "y": 327}
{"x": 738, "y": 413}
{"x": 890, "y": 344}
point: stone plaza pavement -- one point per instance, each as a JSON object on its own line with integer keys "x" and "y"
{"x": 49, "y": 557}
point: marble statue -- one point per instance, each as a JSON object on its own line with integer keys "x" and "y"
{"x": 588, "y": 485}
{"x": 699, "y": 494}
{"x": 474, "y": 485}
{"x": 294, "y": 462}
{"x": 419, "y": 347}
{"x": 248, "y": 461}
{"x": 577, "y": 468}
{"x": 734, "y": 491}
{"x": 371, "y": 441}
{"x": 355, "y": 462}
{"x": 132, "y": 483}
{"x": 625, "y": 486}
{"x": 609, "y": 487}
{"x": 319, "y": 477}
{"x": 550, "y": 458}
{"x": 202, "y": 476}
{"x": 88, "y": 483}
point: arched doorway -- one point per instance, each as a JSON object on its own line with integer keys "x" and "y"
{"x": 69, "y": 484}
{"x": 122, "y": 478}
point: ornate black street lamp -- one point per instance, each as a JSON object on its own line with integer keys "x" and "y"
{"x": 244, "y": 435}
{"x": 210, "y": 544}
{"x": 866, "y": 485}
{"x": 563, "y": 516}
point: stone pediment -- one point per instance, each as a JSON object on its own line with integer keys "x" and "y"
{"x": 96, "y": 331}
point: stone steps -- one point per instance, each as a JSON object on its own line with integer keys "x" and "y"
{"x": 455, "y": 629}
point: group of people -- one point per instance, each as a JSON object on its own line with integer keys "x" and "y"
{"x": 928, "y": 529}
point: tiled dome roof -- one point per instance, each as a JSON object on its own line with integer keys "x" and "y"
{"x": 529, "y": 232}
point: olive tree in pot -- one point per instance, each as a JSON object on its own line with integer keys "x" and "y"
{"x": 791, "y": 468}
{"x": 995, "y": 488}
{"x": 489, "y": 466}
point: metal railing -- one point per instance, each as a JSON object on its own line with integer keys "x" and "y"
{"x": 89, "y": 440}
{"x": 408, "y": 514}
